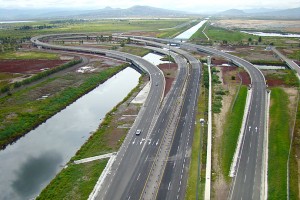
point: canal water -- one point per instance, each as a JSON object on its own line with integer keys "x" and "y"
{"x": 28, "y": 165}
{"x": 288, "y": 35}
{"x": 188, "y": 33}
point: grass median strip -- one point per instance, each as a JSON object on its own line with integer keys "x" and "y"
{"x": 198, "y": 150}
{"x": 232, "y": 129}
{"x": 278, "y": 144}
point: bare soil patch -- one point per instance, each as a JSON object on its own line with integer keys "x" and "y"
{"x": 220, "y": 186}
{"x": 28, "y": 66}
{"x": 170, "y": 72}
{"x": 234, "y": 75}
{"x": 286, "y": 25}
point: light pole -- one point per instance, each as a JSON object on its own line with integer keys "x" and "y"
{"x": 169, "y": 54}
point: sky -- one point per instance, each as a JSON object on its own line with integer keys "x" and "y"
{"x": 196, "y": 6}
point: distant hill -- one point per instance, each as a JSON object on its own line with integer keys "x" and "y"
{"x": 293, "y": 13}
{"x": 108, "y": 12}
{"x": 232, "y": 12}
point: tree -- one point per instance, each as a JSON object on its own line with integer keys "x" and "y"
{"x": 249, "y": 40}
{"x": 259, "y": 39}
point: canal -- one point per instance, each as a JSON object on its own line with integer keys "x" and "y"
{"x": 28, "y": 165}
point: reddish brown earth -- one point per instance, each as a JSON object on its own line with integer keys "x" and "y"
{"x": 28, "y": 66}
{"x": 245, "y": 78}
{"x": 218, "y": 61}
{"x": 172, "y": 70}
{"x": 244, "y": 75}
{"x": 274, "y": 82}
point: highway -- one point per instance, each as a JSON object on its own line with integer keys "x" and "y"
{"x": 130, "y": 173}
{"x": 247, "y": 184}
{"x": 174, "y": 181}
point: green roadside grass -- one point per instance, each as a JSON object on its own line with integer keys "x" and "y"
{"x": 278, "y": 144}
{"x": 135, "y": 50}
{"x": 294, "y": 177}
{"x": 232, "y": 129}
{"x": 26, "y": 55}
{"x": 74, "y": 182}
{"x": 295, "y": 55}
{"x": 198, "y": 148}
{"x": 221, "y": 34}
{"x": 18, "y": 117}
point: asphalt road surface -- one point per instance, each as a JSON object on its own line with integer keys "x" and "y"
{"x": 247, "y": 183}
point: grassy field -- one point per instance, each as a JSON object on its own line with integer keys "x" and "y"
{"x": 135, "y": 50}
{"x": 294, "y": 177}
{"x": 234, "y": 36}
{"x": 198, "y": 149}
{"x": 74, "y": 182}
{"x": 287, "y": 77}
{"x": 19, "y": 113}
{"x": 221, "y": 34}
{"x": 278, "y": 144}
{"x": 295, "y": 55}
{"x": 32, "y": 55}
{"x": 103, "y": 26}
{"x": 232, "y": 129}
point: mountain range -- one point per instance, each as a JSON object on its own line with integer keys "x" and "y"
{"x": 137, "y": 11}
{"x": 293, "y": 13}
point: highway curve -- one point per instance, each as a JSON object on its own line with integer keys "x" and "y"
{"x": 247, "y": 183}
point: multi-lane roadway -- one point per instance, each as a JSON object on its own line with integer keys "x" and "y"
{"x": 248, "y": 182}
{"x": 129, "y": 177}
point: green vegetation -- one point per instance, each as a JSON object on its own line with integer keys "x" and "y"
{"x": 18, "y": 116}
{"x": 105, "y": 26}
{"x": 294, "y": 177}
{"x": 74, "y": 182}
{"x": 168, "y": 58}
{"x": 171, "y": 33}
{"x": 287, "y": 77}
{"x": 198, "y": 148}
{"x": 26, "y": 55}
{"x": 135, "y": 50}
{"x": 221, "y": 35}
{"x": 217, "y": 92}
{"x": 295, "y": 55}
{"x": 268, "y": 62}
{"x": 279, "y": 142}
{"x": 232, "y": 129}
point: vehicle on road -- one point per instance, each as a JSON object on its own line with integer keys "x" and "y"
{"x": 138, "y": 132}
